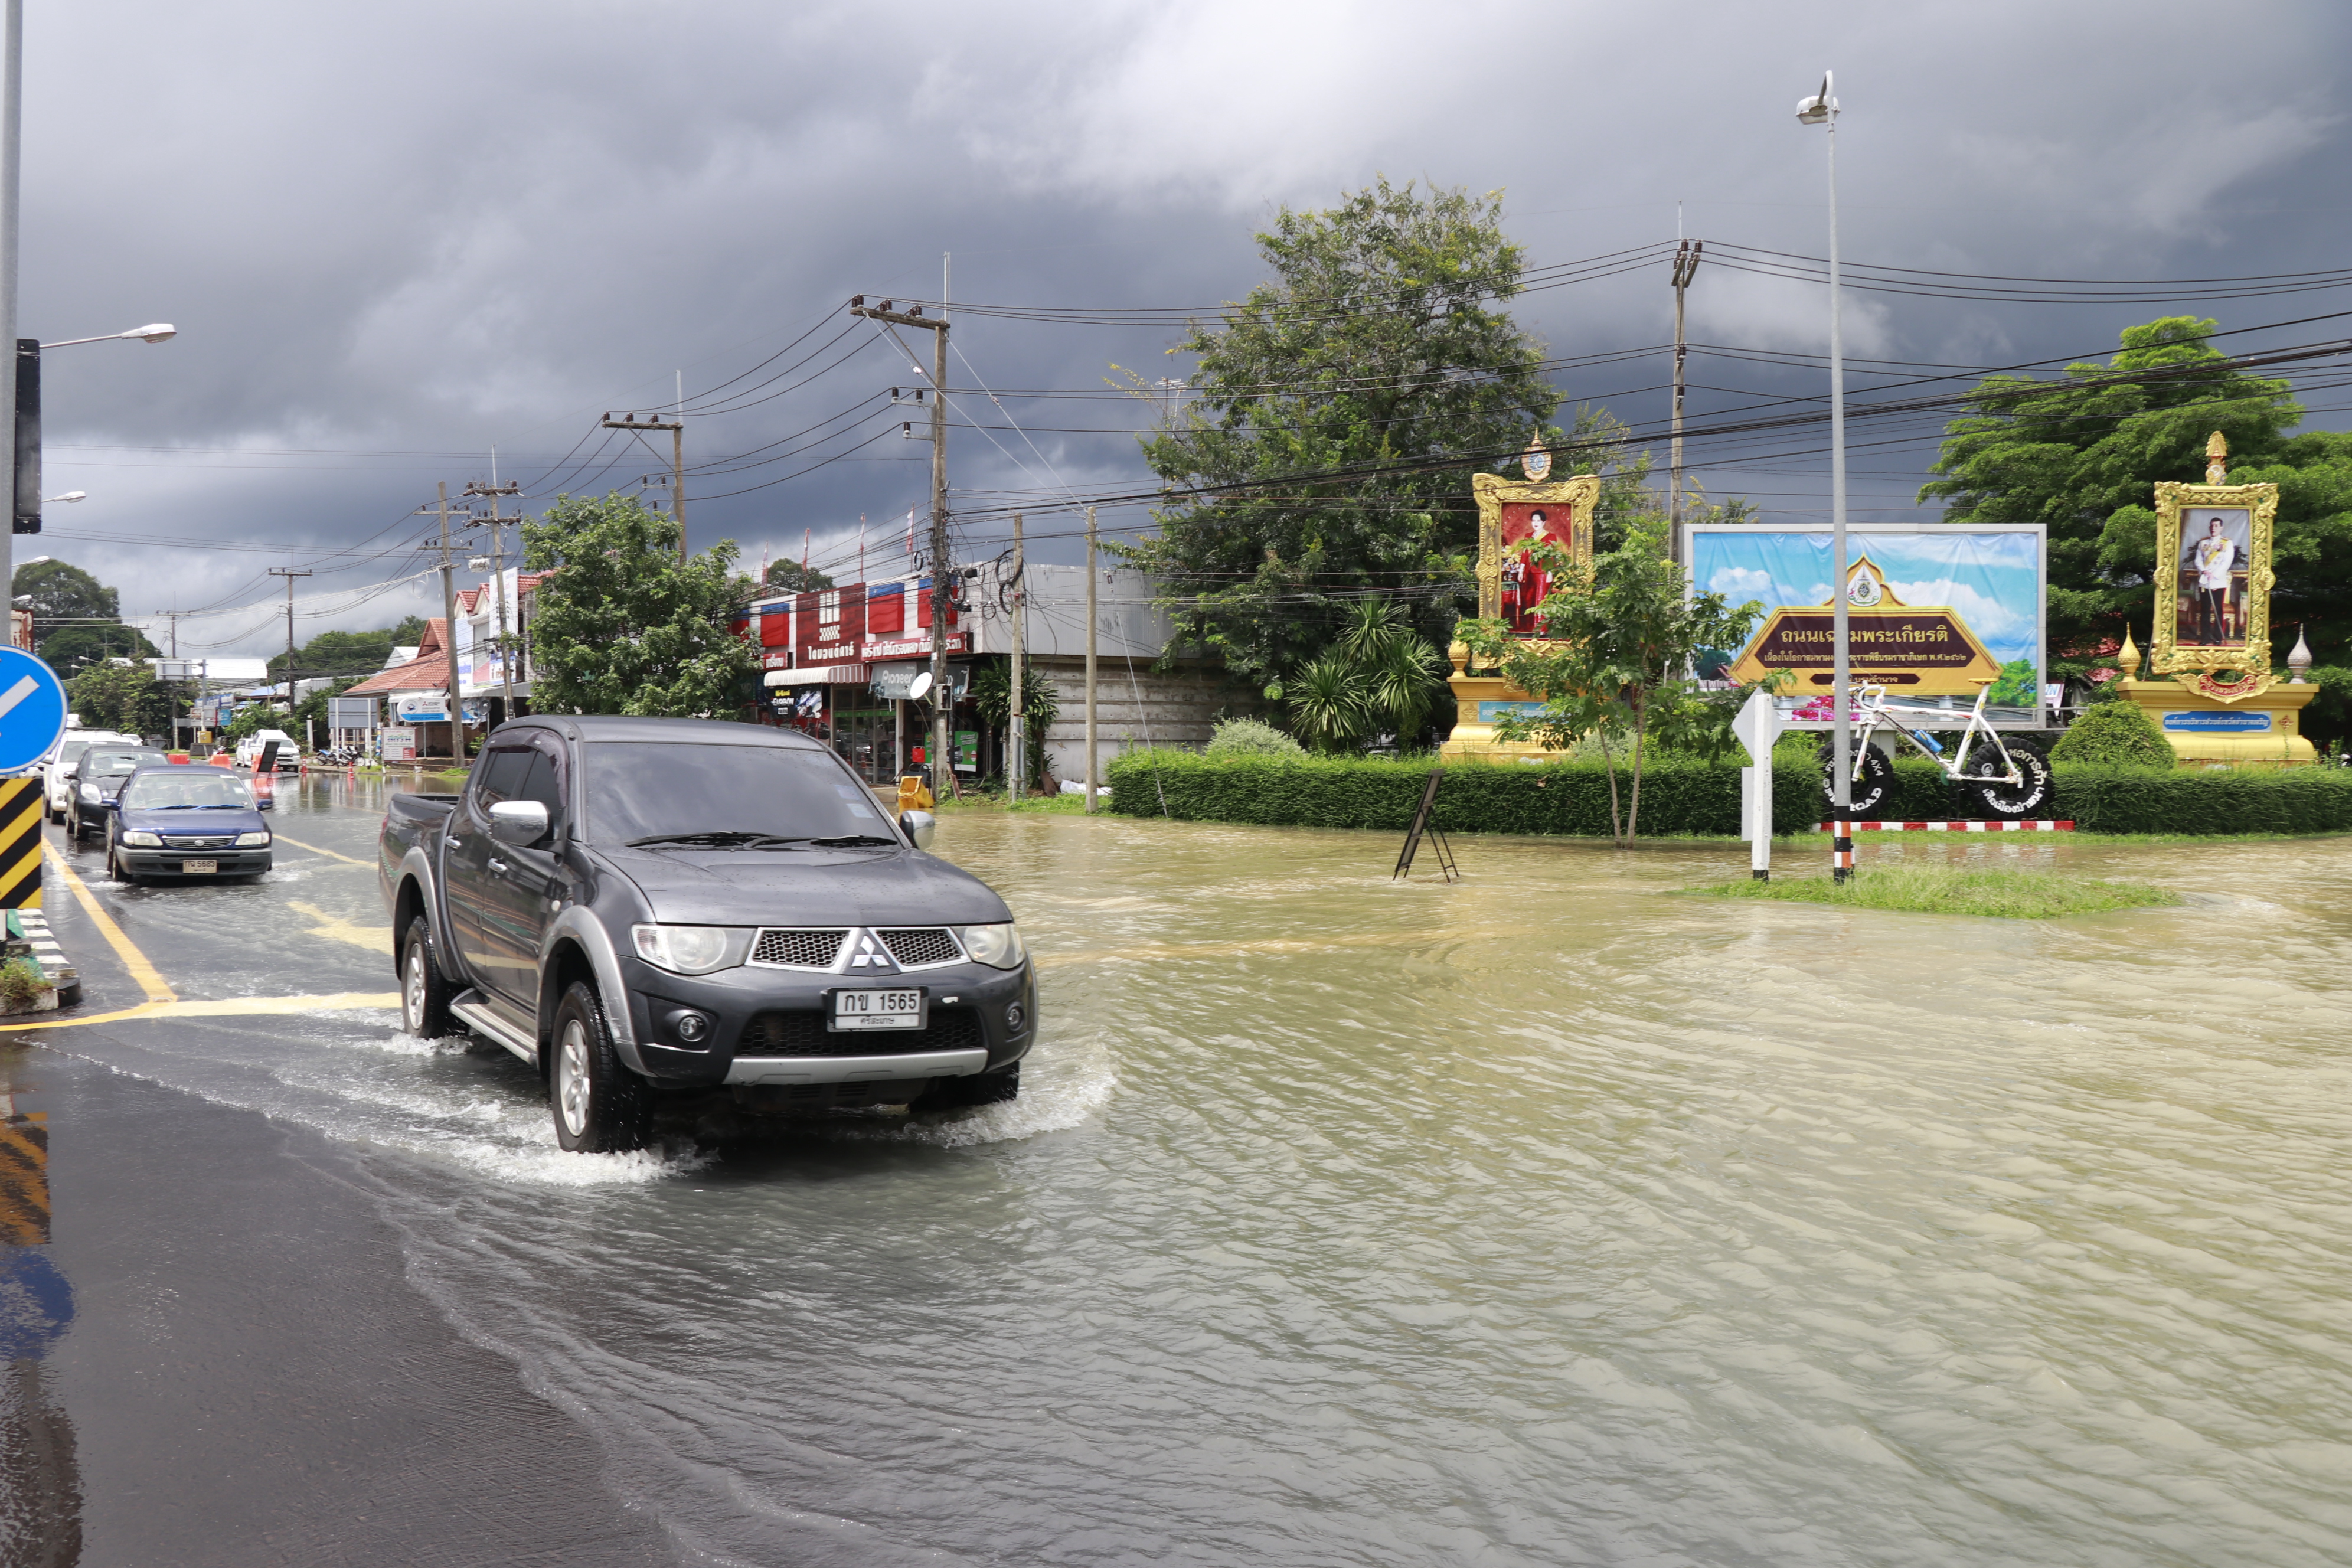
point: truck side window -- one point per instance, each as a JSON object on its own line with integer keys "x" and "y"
{"x": 540, "y": 784}
{"x": 501, "y": 777}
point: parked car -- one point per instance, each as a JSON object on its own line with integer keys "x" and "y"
{"x": 96, "y": 779}
{"x": 635, "y": 905}
{"x": 249, "y": 749}
{"x": 55, "y": 771}
{"x": 180, "y": 821}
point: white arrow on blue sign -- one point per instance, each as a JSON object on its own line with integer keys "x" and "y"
{"x": 32, "y": 711}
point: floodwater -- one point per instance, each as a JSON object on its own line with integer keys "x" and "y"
{"x": 1545, "y": 1218}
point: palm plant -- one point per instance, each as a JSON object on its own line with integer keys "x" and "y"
{"x": 1328, "y": 709}
{"x": 1400, "y": 674}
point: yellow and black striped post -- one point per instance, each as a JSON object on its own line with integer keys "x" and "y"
{"x": 20, "y": 844}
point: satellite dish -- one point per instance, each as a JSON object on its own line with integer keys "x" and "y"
{"x": 920, "y": 687}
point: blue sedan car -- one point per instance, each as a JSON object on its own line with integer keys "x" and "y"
{"x": 182, "y": 821}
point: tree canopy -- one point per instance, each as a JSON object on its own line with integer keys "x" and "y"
{"x": 2083, "y": 455}
{"x": 124, "y": 697}
{"x": 623, "y": 627}
{"x": 345, "y": 653}
{"x": 792, "y": 577}
{"x": 1332, "y": 419}
{"x": 76, "y": 619}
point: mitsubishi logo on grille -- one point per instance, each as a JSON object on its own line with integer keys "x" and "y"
{"x": 868, "y": 954}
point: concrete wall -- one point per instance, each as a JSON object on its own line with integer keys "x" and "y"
{"x": 1135, "y": 705}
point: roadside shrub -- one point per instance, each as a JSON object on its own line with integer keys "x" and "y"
{"x": 1250, "y": 738}
{"x": 1678, "y": 796}
{"x": 2115, "y": 735}
{"x": 1682, "y": 797}
{"x": 22, "y": 982}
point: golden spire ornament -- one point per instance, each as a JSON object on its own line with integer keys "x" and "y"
{"x": 2217, "y": 453}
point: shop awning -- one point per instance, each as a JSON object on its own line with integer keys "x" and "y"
{"x": 823, "y": 675}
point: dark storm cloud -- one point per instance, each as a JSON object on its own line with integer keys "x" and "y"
{"x": 400, "y": 235}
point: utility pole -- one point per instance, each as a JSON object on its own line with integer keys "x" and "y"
{"x": 498, "y": 577}
{"x": 942, "y": 695}
{"x": 12, "y": 145}
{"x": 1687, "y": 252}
{"x": 449, "y": 620}
{"x": 1019, "y": 712}
{"x": 676, "y": 428}
{"x": 289, "y": 576}
{"x": 1090, "y": 662}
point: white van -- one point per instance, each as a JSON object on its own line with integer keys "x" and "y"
{"x": 61, "y": 761}
{"x": 249, "y": 749}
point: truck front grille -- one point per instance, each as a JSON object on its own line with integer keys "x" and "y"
{"x": 798, "y": 949}
{"x": 805, "y": 1035}
{"x": 925, "y": 944}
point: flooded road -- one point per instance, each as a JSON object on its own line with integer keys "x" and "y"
{"x": 1548, "y": 1218}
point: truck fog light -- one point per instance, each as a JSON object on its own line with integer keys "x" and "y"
{"x": 692, "y": 1028}
{"x": 1014, "y": 1017}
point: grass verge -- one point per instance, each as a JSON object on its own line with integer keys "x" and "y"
{"x": 1942, "y": 891}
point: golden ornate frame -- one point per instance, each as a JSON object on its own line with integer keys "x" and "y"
{"x": 1581, "y": 495}
{"x": 2165, "y": 657}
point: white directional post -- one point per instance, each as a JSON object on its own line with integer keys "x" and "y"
{"x": 1758, "y": 727}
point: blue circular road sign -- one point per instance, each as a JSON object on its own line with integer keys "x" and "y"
{"x": 32, "y": 709}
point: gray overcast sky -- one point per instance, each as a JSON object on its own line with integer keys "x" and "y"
{"x": 395, "y": 237}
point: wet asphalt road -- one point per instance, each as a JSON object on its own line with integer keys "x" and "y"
{"x": 245, "y": 1374}
{"x": 1551, "y": 1217}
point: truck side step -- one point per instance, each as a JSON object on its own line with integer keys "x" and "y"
{"x": 475, "y": 1012}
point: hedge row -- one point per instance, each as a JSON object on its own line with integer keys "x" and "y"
{"x": 1681, "y": 797}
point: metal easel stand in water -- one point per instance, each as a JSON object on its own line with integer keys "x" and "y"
{"x": 2012, "y": 782}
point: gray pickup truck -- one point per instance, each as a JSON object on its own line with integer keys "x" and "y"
{"x": 634, "y": 905}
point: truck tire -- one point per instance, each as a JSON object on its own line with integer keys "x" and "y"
{"x": 424, "y": 995}
{"x": 973, "y": 1089}
{"x": 600, "y": 1106}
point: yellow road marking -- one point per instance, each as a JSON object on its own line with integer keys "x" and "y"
{"x": 150, "y": 979}
{"x": 223, "y": 1007}
{"x": 314, "y": 850}
{"x": 337, "y": 928}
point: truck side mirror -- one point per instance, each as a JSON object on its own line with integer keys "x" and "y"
{"x": 520, "y": 822}
{"x": 920, "y": 827}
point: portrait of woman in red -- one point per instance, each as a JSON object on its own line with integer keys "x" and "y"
{"x": 1525, "y": 583}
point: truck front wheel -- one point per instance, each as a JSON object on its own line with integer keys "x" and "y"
{"x": 601, "y": 1107}
{"x": 424, "y": 995}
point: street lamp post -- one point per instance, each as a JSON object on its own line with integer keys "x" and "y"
{"x": 1821, "y": 109}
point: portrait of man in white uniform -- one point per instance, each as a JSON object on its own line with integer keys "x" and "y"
{"x": 2214, "y": 551}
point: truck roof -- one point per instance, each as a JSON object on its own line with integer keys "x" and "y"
{"x": 593, "y": 727}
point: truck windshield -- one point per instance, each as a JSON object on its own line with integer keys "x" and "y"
{"x": 189, "y": 789}
{"x": 644, "y": 793}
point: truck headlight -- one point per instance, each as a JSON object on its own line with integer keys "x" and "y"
{"x": 253, "y": 840}
{"x": 139, "y": 840}
{"x": 997, "y": 946}
{"x": 691, "y": 950}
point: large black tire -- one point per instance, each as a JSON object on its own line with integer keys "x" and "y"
{"x": 972, "y": 1089}
{"x": 423, "y": 993}
{"x": 2010, "y": 802}
{"x": 1871, "y": 791}
{"x": 600, "y": 1106}
{"x": 114, "y": 871}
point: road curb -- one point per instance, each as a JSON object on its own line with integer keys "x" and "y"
{"x": 55, "y": 965}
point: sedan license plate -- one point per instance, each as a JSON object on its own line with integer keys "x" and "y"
{"x": 198, "y": 867}
{"x": 877, "y": 1009}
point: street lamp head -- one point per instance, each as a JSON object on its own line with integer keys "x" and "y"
{"x": 1820, "y": 108}
{"x": 68, "y": 495}
{"x": 153, "y": 332}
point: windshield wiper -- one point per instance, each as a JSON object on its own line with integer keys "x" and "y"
{"x": 716, "y": 838}
{"x": 848, "y": 841}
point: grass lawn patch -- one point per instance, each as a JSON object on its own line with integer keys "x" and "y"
{"x": 1947, "y": 890}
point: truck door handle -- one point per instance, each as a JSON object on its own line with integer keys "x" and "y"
{"x": 497, "y": 864}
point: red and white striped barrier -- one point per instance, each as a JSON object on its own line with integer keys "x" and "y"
{"x": 1843, "y": 828}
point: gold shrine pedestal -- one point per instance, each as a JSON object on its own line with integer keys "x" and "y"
{"x": 1478, "y": 701}
{"x": 2263, "y": 728}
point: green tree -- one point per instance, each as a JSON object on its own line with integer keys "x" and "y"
{"x": 792, "y": 577}
{"x": 125, "y": 696}
{"x": 409, "y": 633}
{"x": 255, "y": 718}
{"x": 621, "y": 626}
{"x": 2082, "y": 456}
{"x": 1622, "y": 634}
{"x": 75, "y": 618}
{"x": 341, "y": 653}
{"x": 1376, "y": 674}
{"x": 1333, "y": 416}
{"x": 992, "y": 693}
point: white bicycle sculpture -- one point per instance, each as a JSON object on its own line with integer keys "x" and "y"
{"x": 2012, "y": 782}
